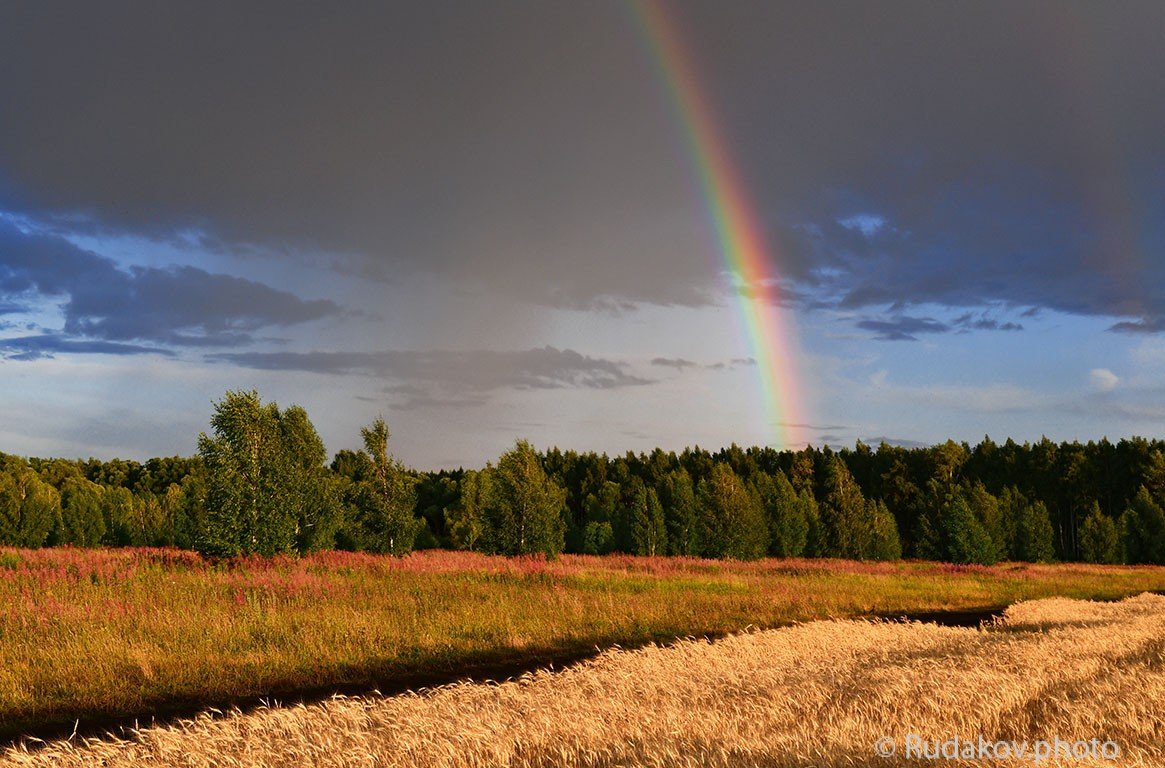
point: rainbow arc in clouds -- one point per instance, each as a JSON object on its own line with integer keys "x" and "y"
{"x": 740, "y": 238}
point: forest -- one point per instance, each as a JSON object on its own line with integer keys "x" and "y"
{"x": 261, "y": 483}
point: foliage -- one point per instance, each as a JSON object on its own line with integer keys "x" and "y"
{"x": 259, "y": 485}
{"x": 29, "y": 507}
{"x": 381, "y": 501}
{"x": 964, "y": 537}
{"x": 82, "y": 522}
{"x": 1143, "y": 526}
{"x": 1099, "y": 539}
{"x": 731, "y": 522}
{"x": 525, "y": 509}
{"x": 266, "y": 489}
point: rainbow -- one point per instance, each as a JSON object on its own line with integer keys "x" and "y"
{"x": 740, "y": 238}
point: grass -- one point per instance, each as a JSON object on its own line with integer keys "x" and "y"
{"x": 97, "y": 634}
{"x": 822, "y": 694}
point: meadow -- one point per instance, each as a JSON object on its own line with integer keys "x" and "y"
{"x": 1053, "y": 683}
{"x": 118, "y": 633}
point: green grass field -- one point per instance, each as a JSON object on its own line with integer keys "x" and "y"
{"x": 98, "y": 634}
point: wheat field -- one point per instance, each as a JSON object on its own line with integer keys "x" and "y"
{"x": 819, "y": 694}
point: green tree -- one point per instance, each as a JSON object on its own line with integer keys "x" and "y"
{"x": 1034, "y": 539}
{"x": 786, "y": 513}
{"x": 313, "y": 491}
{"x": 385, "y": 498}
{"x": 681, "y": 516}
{"x": 732, "y": 524}
{"x": 814, "y": 538}
{"x": 883, "y": 542}
{"x": 29, "y": 508}
{"x": 266, "y": 488}
{"x": 1143, "y": 529}
{"x": 844, "y": 527}
{"x": 1099, "y": 538}
{"x": 249, "y": 488}
{"x": 987, "y": 512}
{"x": 965, "y": 540}
{"x": 526, "y": 506}
{"x": 82, "y": 523}
{"x": 647, "y": 530}
{"x": 466, "y": 520}
{"x": 121, "y": 529}
{"x": 598, "y": 538}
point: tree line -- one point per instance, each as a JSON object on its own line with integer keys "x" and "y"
{"x": 261, "y": 484}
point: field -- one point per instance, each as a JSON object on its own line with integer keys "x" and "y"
{"x": 823, "y": 694}
{"x": 100, "y": 634}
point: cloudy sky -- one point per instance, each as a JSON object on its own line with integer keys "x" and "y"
{"x": 482, "y": 221}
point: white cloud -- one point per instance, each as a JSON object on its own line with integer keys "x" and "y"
{"x": 1103, "y": 380}
{"x": 988, "y": 398}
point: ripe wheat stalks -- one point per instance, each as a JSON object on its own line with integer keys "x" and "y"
{"x": 818, "y": 694}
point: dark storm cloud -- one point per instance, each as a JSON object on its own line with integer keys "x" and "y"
{"x": 177, "y": 306}
{"x": 898, "y": 153}
{"x": 478, "y": 370}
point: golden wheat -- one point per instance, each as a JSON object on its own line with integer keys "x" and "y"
{"x": 817, "y": 694}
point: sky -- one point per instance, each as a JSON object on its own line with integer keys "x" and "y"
{"x": 487, "y": 221}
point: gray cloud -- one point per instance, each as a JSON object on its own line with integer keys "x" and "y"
{"x": 1153, "y": 324}
{"x": 49, "y": 345}
{"x": 678, "y": 363}
{"x": 177, "y": 306}
{"x": 907, "y": 328}
{"x": 969, "y": 321}
{"x": 896, "y": 442}
{"x": 735, "y": 362}
{"x": 478, "y": 370}
{"x": 903, "y": 328}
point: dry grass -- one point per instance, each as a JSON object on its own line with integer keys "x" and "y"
{"x": 817, "y": 694}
